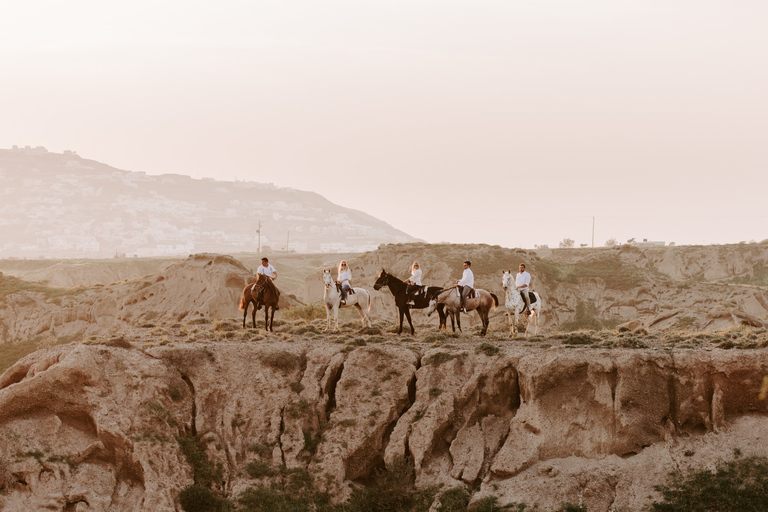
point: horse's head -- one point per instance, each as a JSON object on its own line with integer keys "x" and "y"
{"x": 381, "y": 281}
{"x": 327, "y": 278}
{"x": 507, "y": 281}
{"x": 432, "y": 307}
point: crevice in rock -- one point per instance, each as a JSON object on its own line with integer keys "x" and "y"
{"x": 330, "y": 390}
{"x": 672, "y": 391}
{"x": 280, "y": 436}
{"x": 193, "y": 423}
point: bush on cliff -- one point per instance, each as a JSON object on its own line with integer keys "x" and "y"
{"x": 741, "y": 484}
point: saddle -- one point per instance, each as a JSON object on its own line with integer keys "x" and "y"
{"x": 470, "y": 295}
{"x": 351, "y": 290}
{"x": 531, "y": 296}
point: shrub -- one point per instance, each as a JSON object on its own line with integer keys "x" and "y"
{"x": 197, "y": 498}
{"x": 281, "y": 360}
{"x": 258, "y": 469}
{"x": 393, "y": 489}
{"x": 741, "y": 484}
{"x": 203, "y": 471}
{"x": 487, "y": 349}
{"x": 454, "y": 500}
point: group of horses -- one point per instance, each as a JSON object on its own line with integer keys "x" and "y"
{"x": 446, "y": 301}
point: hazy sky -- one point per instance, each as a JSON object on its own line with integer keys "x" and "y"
{"x": 508, "y": 122}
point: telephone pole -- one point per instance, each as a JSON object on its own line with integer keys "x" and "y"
{"x": 258, "y": 231}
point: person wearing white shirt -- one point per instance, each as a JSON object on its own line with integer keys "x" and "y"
{"x": 268, "y": 270}
{"x": 344, "y": 277}
{"x": 413, "y": 282}
{"x": 467, "y": 281}
{"x": 523, "y": 283}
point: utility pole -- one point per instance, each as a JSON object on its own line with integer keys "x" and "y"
{"x": 258, "y": 231}
{"x": 593, "y": 232}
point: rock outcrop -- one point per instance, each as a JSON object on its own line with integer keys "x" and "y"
{"x": 206, "y": 286}
{"x": 97, "y": 428}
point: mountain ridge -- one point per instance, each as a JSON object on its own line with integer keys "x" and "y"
{"x": 63, "y": 204}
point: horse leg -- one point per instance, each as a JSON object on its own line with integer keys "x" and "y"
{"x": 245, "y": 313}
{"x": 483, "y": 320}
{"x": 362, "y": 314}
{"x": 253, "y": 316}
{"x": 458, "y": 320}
{"x": 272, "y": 320}
{"x": 327, "y": 317}
{"x": 402, "y": 314}
{"x": 408, "y": 316}
{"x": 336, "y": 316}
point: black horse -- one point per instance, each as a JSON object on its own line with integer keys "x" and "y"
{"x": 421, "y": 301}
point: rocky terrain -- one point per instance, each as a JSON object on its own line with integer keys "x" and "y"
{"x": 107, "y": 426}
{"x": 147, "y": 391}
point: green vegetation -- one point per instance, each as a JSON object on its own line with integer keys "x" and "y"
{"x": 281, "y": 360}
{"x": 488, "y": 349}
{"x": 10, "y": 285}
{"x": 200, "y": 496}
{"x": 739, "y": 485}
{"x": 615, "y": 273}
{"x": 392, "y": 490}
{"x": 759, "y": 276}
{"x": 439, "y": 358}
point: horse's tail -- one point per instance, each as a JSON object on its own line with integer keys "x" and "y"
{"x": 495, "y": 300}
{"x": 242, "y": 301}
{"x": 369, "y": 302}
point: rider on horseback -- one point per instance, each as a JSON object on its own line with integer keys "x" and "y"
{"x": 522, "y": 282}
{"x": 268, "y": 270}
{"x": 414, "y": 283}
{"x": 344, "y": 277}
{"x": 465, "y": 284}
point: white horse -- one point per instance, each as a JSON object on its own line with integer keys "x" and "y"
{"x": 515, "y": 302}
{"x": 332, "y": 300}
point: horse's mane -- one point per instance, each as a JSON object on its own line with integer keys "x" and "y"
{"x": 267, "y": 282}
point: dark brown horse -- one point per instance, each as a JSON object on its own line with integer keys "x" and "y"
{"x": 398, "y": 289}
{"x": 262, "y": 293}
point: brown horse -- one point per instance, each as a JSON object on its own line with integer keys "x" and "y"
{"x": 262, "y": 293}
{"x": 483, "y": 302}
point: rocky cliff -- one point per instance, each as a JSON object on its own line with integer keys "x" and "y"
{"x": 104, "y": 426}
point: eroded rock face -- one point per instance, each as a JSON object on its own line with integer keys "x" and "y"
{"x": 90, "y": 427}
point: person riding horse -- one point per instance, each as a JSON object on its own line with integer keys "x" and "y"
{"x": 344, "y": 277}
{"x": 414, "y": 283}
{"x": 268, "y": 270}
{"x": 522, "y": 282}
{"x": 465, "y": 284}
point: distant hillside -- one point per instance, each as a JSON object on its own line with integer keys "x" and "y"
{"x": 62, "y": 205}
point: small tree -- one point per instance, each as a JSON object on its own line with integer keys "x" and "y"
{"x": 567, "y": 243}
{"x": 611, "y": 242}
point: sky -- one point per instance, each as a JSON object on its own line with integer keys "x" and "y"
{"x": 513, "y": 123}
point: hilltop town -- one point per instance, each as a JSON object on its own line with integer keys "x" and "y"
{"x": 64, "y": 205}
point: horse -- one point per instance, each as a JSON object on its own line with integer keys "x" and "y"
{"x": 332, "y": 300}
{"x": 483, "y": 302}
{"x": 515, "y": 302}
{"x": 262, "y": 293}
{"x": 421, "y": 301}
